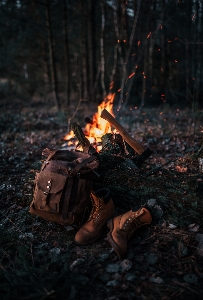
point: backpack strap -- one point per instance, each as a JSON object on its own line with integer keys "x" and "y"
{"x": 75, "y": 170}
{"x": 51, "y": 154}
{"x": 48, "y": 159}
{"x": 69, "y": 185}
{"x": 67, "y": 197}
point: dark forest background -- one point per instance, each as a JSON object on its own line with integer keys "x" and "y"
{"x": 147, "y": 52}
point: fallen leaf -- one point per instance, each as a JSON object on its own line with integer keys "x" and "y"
{"x": 181, "y": 169}
{"x": 193, "y": 227}
{"x": 172, "y": 226}
{"x": 76, "y": 263}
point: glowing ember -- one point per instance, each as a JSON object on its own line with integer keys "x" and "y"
{"x": 98, "y": 126}
{"x": 69, "y": 136}
{"x": 131, "y": 75}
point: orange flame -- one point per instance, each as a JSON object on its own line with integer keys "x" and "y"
{"x": 99, "y": 126}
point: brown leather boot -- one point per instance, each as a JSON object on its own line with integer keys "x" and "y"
{"x": 99, "y": 215}
{"x": 122, "y": 228}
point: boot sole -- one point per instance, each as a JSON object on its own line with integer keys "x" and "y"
{"x": 97, "y": 237}
{"x": 90, "y": 242}
{"x": 116, "y": 248}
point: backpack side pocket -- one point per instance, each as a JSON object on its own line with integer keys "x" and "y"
{"x": 48, "y": 191}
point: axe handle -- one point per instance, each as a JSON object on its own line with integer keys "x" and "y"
{"x": 132, "y": 142}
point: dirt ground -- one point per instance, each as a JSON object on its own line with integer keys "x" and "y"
{"x": 38, "y": 259}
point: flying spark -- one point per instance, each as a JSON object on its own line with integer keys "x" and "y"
{"x": 131, "y": 75}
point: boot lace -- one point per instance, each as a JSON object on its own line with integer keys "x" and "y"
{"x": 132, "y": 224}
{"x": 95, "y": 212}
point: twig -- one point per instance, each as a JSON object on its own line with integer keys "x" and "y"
{"x": 185, "y": 286}
{"x": 77, "y": 108}
{"x": 15, "y": 225}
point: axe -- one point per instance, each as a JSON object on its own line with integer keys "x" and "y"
{"x": 143, "y": 152}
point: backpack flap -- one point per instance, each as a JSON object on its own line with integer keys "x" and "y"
{"x": 48, "y": 191}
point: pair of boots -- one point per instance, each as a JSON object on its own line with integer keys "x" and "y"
{"x": 121, "y": 227}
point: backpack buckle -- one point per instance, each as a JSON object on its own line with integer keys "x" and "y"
{"x": 48, "y": 187}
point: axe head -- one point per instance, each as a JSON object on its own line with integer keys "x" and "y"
{"x": 139, "y": 160}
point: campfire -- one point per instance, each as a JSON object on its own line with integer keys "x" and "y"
{"x": 100, "y": 125}
{"x": 96, "y": 127}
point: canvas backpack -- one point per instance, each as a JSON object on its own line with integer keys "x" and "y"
{"x": 63, "y": 185}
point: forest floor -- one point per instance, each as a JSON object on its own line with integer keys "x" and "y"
{"x": 39, "y": 260}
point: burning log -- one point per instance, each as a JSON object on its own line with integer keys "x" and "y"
{"x": 144, "y": 153}
{"x": 83, "y": 141}
{"x": 118, "y": 139}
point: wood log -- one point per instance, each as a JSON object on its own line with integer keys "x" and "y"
{"x": 131, "y": 141}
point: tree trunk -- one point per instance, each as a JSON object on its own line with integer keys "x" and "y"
{"x": 187, "y": 72}
{"x": 84, "y": 91}
{"x": 199, "y": 60}
{"x": 144, "y": 77}
{"x": 91, "y": 47}
{"x": 52, "y": 54}
{"x": 102, "y": 49}
{"x": 66, "y": 46}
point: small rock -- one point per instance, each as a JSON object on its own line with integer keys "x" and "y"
{"x": 151, "y": 202}
{"x": 125, "y": 265}
{"x": 190, "y": 278}
{"x": 76, "y": 263}
{"x": 69, "y": 228}
{"x": 55, "y": 251}
{"x": 193, "y": 227}
{"x": 113, "y": 283}
{"x": 130, "y": 277}
{"x": 104, "y": 256}
{"x": 152, "y": 258}
{"x": 157, "y": 212}
{"x": 156, "y": 279}
{"x": 26, "y": 235}
{"x": 112, "y": 268}
{"x": 172, "y": 226}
